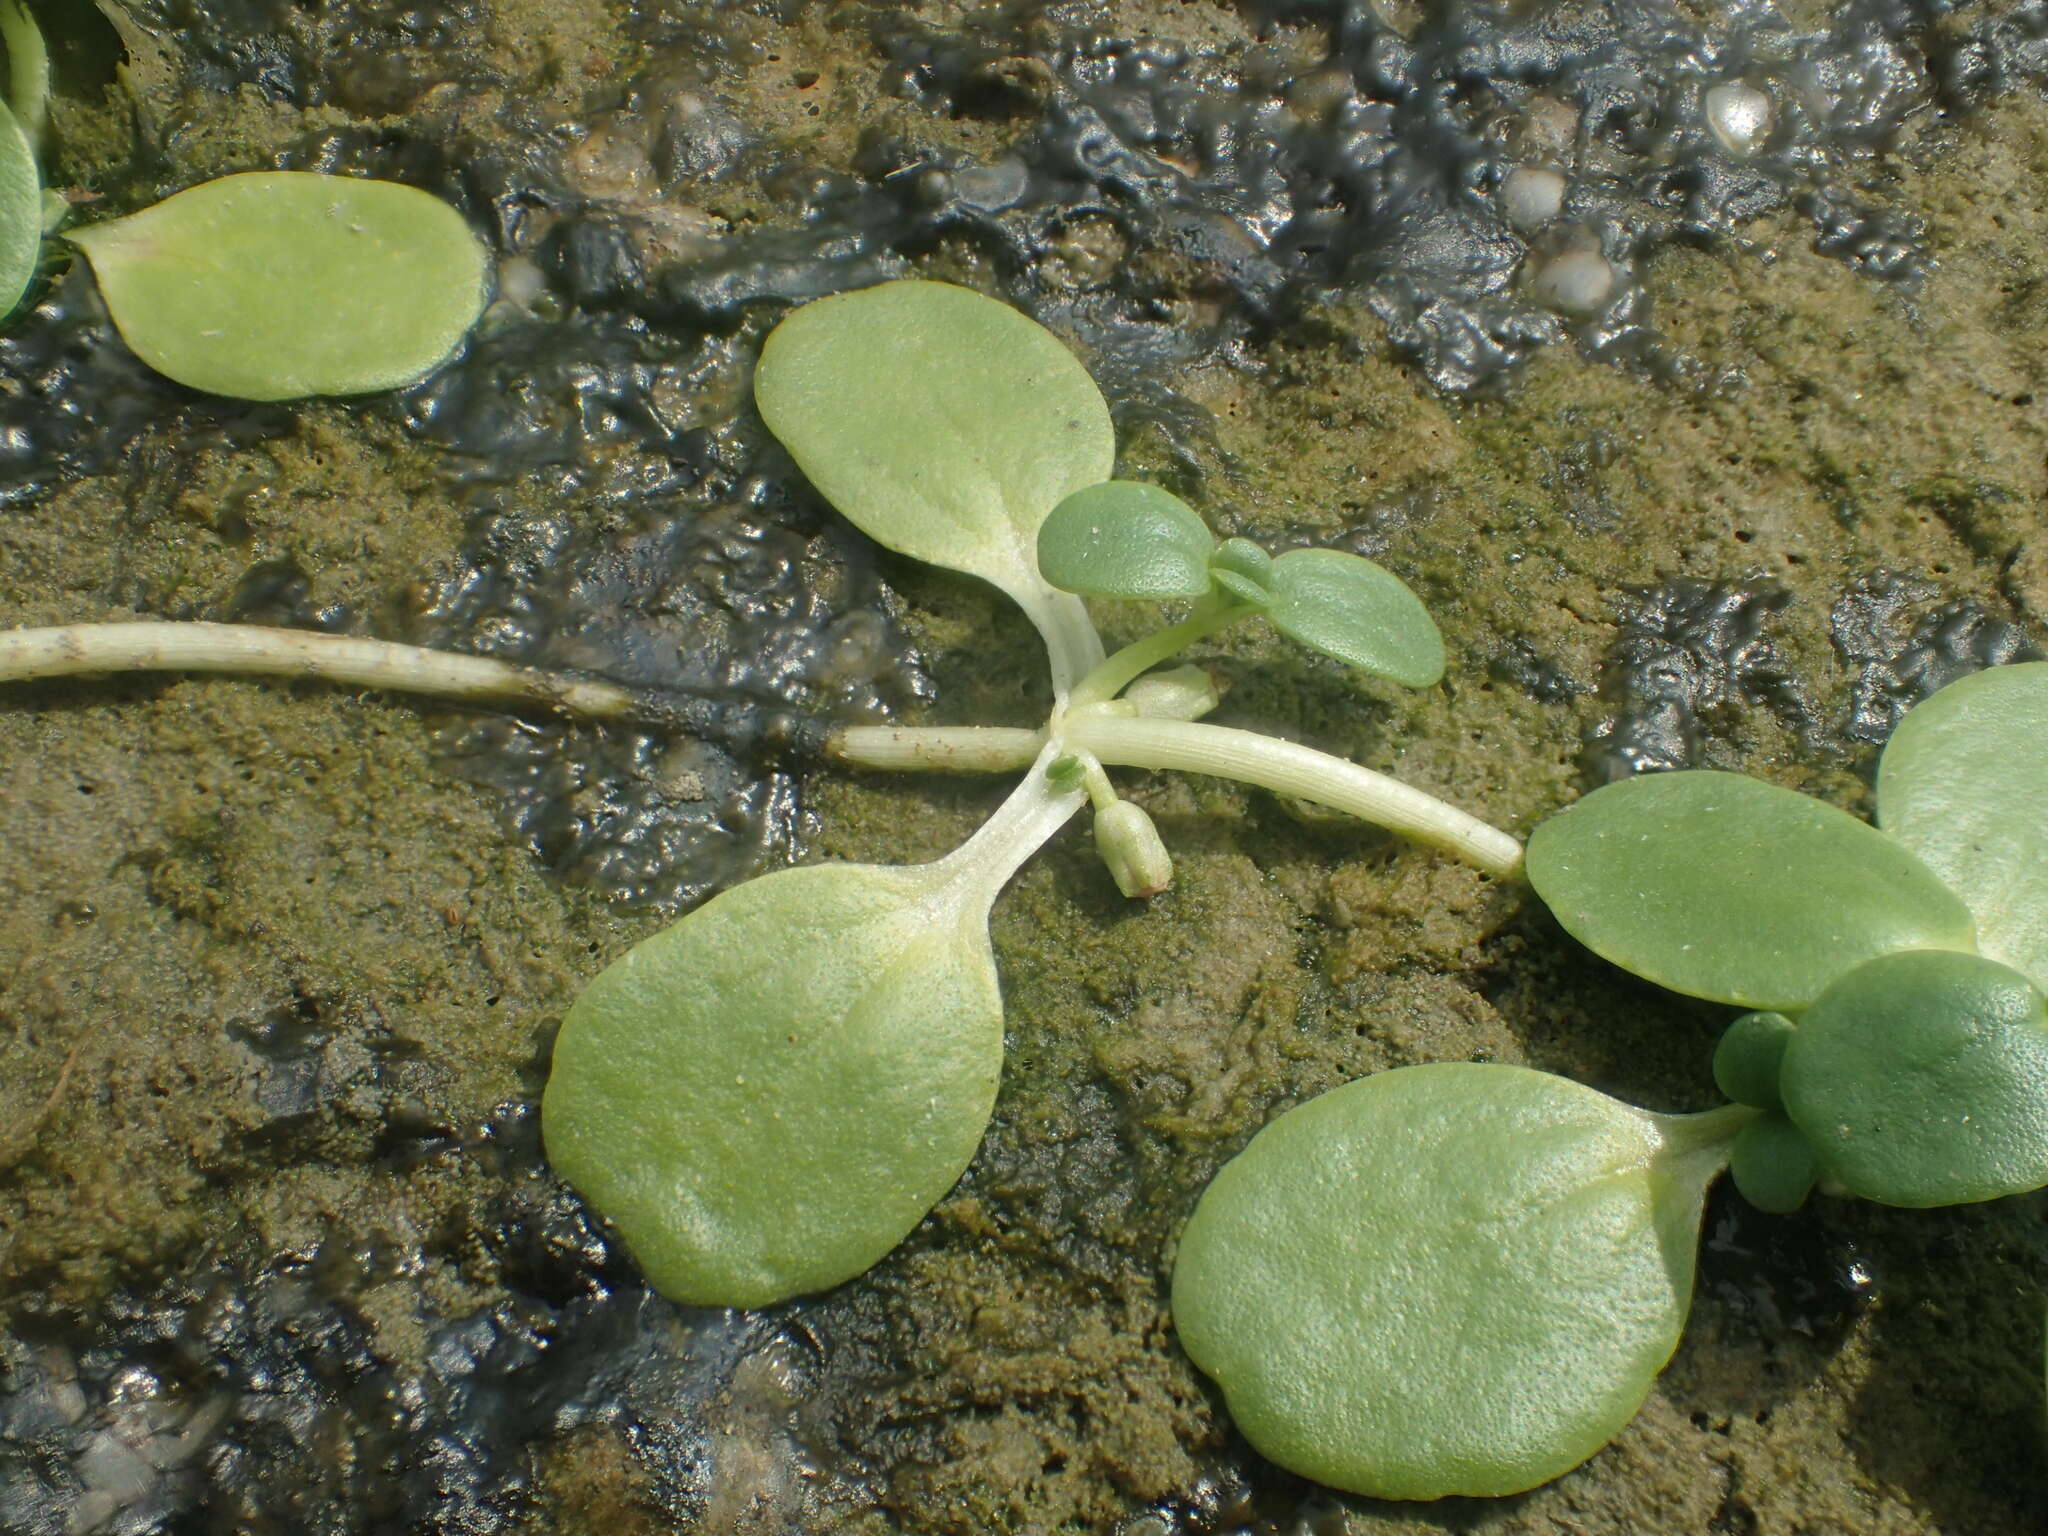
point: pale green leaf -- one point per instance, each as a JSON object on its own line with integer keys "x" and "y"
{"x": 767, "y": 1096}
{"x": 28, "y": 68}
{"x": 21, "y": 212}
{"x": 944, "y": 425}
{"x": 1922, "y": 1079}
{"x": 275, "y": 284}
{"x": 1964, "y": 784}
{"x": 1729, "y": 888}
{"x": 1125, "y": 539}
{"x": 1360, "y": 613}
{"x": 1448, "y": 1279}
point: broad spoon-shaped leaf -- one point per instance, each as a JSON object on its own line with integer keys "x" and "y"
{"x": 944, "y": 425}
{"x": 767, "y": 1096}
{"x": 275, "y": 284}
{"x": 1964, "y": 784}
{"x": 1729, "y": 888}
{"x": 1449, "y": 1279}
{"x": 1921, "y": 1079}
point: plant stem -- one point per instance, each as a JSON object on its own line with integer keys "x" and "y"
{"x": 1035, "y": 810}
{"x": 251, "y": 648}
{"x": 942, "y": 748}
{"x": 1289, "y": 769}
{"x": 1111, "y": 677}
{"x": 1072, "y": 646}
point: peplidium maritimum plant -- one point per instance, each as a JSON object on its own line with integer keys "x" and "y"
{"x": 768, "y": 1095}
{"x": 1463, "y": 1279}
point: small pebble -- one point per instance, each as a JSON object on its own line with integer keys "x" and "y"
{"x": 1531, "y": 196}
{"x": 1575, "y": 282}
{"x": 1739, "y": 117}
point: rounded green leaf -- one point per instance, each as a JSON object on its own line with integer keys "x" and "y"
{"x": 275, "y": 284}
{"x": 1747, "y": 1060}
{"x": 1128, "y": 539}
{"x": 1358, "y": 612}
{"x": 941, "y": 423}
{"x": 1729, "y": 888}
{"x": 1244, "y": 558}
{"x": 767, "y": 1096}
{"x": 21, "y": 212}
{"x": 1449, "y": 1279}
{"x": 1773, "y": 1165}
{"x": 1922, "y": 1079}
{"x": 1964, "y": 784}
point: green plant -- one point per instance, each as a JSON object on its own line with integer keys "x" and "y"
{"x": 1462, "y": 1279}
{"x": 267, "y": 285}
{"x": 767, "y": 1096}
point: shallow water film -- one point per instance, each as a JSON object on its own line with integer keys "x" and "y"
{"x": 1688, "y": 359}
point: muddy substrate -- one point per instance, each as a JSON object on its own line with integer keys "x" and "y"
{"x": 280, "y": 965}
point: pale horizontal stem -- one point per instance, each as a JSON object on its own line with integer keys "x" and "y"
{"x": 1290, "y": 769}
{"x": 937, "y": 748}
{"x": 169, "y": 646}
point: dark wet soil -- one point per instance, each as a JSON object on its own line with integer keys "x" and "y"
{"x": 1726, "y": 463}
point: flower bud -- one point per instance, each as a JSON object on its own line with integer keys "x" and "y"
{"x": 1179, "y": 693}
{"x": 1130, "y": 846}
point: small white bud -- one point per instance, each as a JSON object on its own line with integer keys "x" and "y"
{"x": 1179, "y": 693}
{"x": 1131, "y": 847}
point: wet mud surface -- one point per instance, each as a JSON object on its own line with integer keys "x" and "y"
{"x": 1688, "y": 360}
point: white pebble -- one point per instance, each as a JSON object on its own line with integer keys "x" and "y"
{"x": 1531, "y": 196}
{"x": 1739, "y": 116}
{"x": 1576, "y": 282}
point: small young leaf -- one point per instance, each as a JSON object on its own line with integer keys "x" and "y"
{"x": 1246, "y": 559}
{"x": 1748, "y": 1059}
{"x": 1773, "y": 1166}
{"x": 942, "y": 424}
{"x": 21, "y": 212}
{"x": 767, "y": 1096}
{"x": 1729, "y": 888}
{"x": 1358, "y": 612}
{"x": 1449, "y": 1279}
{"x": 1964, "y": 784}
{"x": 1922, "y": 1079}
{"x": 274, "y": 284}
{"x": 28, "y": 69}
{"x": 1240, "y": 586}
{"x": 1128, "y": 539}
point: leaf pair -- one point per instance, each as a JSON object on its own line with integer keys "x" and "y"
{"x": 1915, "y": 1072}
{"x": 1132, "y": 540}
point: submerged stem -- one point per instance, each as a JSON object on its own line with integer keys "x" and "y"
{"x": 1290, "y": 769}
{"x": 151, "y": 646}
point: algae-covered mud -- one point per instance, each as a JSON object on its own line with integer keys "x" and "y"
{"x": 1687, "y": 359}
